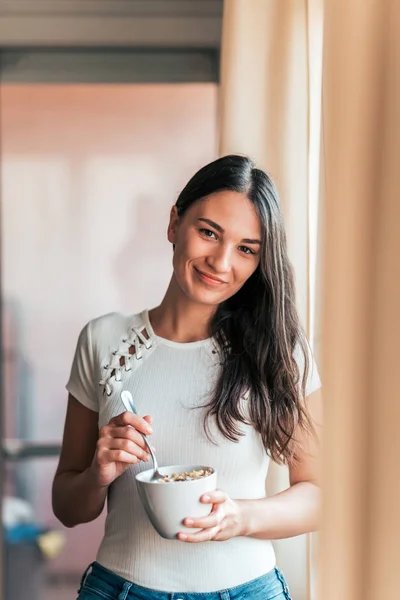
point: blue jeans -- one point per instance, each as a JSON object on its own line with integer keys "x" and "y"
{"x": 102, "y": 584}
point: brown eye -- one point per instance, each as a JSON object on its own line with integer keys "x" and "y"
{"x": 208, "y": 233}
{"x": 246, "y": 250}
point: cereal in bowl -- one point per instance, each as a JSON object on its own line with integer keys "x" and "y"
{"x": 187, "y": 476}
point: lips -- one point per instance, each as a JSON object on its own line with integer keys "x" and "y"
{"x": 208, "y": 278}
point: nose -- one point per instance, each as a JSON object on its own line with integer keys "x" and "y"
{"x": 220, "y": 260}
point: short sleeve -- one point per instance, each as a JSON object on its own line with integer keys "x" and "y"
{"x": 313, "y": 382}
{"x": 81, "y": 383}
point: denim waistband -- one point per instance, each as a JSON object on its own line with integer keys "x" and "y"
{"x": 110, "y": 586}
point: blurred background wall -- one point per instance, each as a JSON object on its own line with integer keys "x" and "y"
{"x": 89, "y": 174}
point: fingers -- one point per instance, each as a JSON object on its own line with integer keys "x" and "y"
{"x": 121, "y": 456}
{"x": 128, "y": 418}
{"x": 210, "y": 525}
{"x": 127, "y": 433}
{"x": 109, "y": 449}
{"x": 215, "y": 497}
{"x": 212, "y": 520}
{"x": 205, "y": 535}
{"x": 127, "y": 446}
{"x": 124, "y": 439}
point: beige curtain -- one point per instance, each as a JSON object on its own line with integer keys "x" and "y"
{"x": 270, "y": 102}
{"x": 361, "y": 98}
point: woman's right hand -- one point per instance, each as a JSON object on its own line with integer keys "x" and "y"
{"x": 119, "y": 446}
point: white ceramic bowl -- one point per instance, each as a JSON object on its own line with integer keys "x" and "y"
{"x": 167, "y": 504}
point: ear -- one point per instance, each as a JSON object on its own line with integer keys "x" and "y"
{"x": 173, "y": 222}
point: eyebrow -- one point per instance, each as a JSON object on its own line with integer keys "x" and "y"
{"x": 220, "y": 229}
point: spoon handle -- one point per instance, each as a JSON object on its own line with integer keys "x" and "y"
{"x": 127, "y": 401}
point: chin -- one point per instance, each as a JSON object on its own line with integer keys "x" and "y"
{"x": 202, "y": 295}
{"x": 207, "y": 298}
{"x": 199, "y": 295}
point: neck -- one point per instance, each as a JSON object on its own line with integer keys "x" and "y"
{"x": 179, "y": 319}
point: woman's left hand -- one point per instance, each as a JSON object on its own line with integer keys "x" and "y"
{"x": 225, "y": 520}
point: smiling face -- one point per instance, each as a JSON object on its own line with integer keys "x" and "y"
{"x": 217, "y": 246}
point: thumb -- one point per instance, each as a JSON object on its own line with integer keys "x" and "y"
{"x": 149, "y": 419}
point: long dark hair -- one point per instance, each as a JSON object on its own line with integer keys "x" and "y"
{"x": 257, "y": 330}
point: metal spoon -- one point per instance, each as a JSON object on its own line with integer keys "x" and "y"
{"x": 127, "y": 401}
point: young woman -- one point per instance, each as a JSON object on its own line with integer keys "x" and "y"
{"x": 224, "y": 369}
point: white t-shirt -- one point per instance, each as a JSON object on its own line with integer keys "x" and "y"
{"x": 167, "y": 380}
